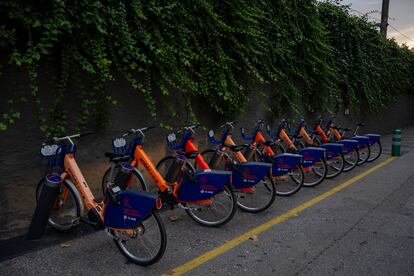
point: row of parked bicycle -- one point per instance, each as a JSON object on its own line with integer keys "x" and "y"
{"x": 208, "y": 185}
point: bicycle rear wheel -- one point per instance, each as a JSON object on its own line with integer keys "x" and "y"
{"x": 335, "y": 166}
{"x": 68, "y": 207}
{"x": 364, "y": 155}
{"x": 291, "y": 183}
{"x": 376, "y": 151}
{"x": 145, "y": 244}
{"x": 315, "y": 174}
{"x": 219, "y": 212}
{"x": 221, "y": 209}
{"x": 351, "y": 160}
{"x": 261, "y": 196}
{"x": 136, "y": 181}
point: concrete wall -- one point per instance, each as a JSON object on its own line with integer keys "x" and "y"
{"x": 19, "y": 145}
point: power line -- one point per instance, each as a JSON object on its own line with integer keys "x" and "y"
{"x": 377, "y": 19}
{"x": 395, "y": 29}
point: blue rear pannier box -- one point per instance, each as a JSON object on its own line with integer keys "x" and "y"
{"x": 311, "y": 155}
{"x": 249, "y": 173}
{"x": 133, "y": 207}
{"x": 332, "y": 150}
{"x": 205, "y": 185}
{"x": 284, "y": 163}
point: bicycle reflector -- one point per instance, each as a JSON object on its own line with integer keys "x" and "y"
{"x": 158, "y": 203}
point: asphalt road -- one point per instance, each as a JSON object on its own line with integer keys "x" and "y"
{"x": 365, "y": 228}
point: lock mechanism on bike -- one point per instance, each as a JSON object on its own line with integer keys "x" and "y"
{"x": 216, "y": 159}
{"x": 123, "y": 176}
{"x": 113, "y": 194}
{"x": 175, "y": 169}
{"x": 249, "y": 153}
{"x": 168, "y": 198}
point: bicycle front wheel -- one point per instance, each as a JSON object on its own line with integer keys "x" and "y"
{"x": 220, "y": 211}
{"x": 145, "y": 244}
{"x": 66, "y": 211}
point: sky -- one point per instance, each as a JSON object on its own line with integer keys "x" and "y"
{"x": 401, "y": 17}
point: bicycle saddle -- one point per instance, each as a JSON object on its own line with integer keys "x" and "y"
{"x": 236, "y": 148}
{"x": 189, "y": 154}
{"x": 268, "y": 143}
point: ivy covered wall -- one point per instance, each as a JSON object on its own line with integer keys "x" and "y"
{"x": 214, "y": 50}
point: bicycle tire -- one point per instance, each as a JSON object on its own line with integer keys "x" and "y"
{"x": 228, "y": 216}
{"x": 352, "y": 165}
{"x": 78, "y": 208}
{"x": 142, "y": 183}
{"x": 228, "y": 189}
{"x": 338, "y": 170}
{"x": 364, "y": 160}
{"x": 120, "y": 244}
{"x": 375, "y": 157}
{"x": 239, "y": 195}
{"x": 321, "y": 176}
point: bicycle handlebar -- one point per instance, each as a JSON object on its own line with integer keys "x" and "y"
{"x": 244, "y": 136}
{"x": 69, "y": 137}
{"x": 138, "y": 130}
{"x": 230, "y": 124}
{"x": 191, "y": 128}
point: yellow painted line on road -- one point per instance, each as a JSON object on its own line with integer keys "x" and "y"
{"x": 265, "y": 226}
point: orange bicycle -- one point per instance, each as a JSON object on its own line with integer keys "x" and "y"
{"x": 222, "y": 206}
{"x": 314, "y": 162}
{"x": 337, "y": 133}
{"x": 287, "y": 167}
{"x": 205, "y": 196}
{"x": 350, "y": 147}
{"x": 252, "y": 181}
{"x": 129, "y": 217}
{"x": 375, "y": 145}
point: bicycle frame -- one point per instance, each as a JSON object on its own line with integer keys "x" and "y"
{"x": 322, "y": 133}
{"x": 304, "y": 134}
{"x": 140, "y": 157}
{"x": 73, "y": 172}
{"x": 189, "y": 146}
{"x": 239, "y": 156}
{"x": 259, "y": 139}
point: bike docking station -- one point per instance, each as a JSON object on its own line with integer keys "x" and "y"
{"x": 396, "y": 143}
{"x": 47, "y": 199}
